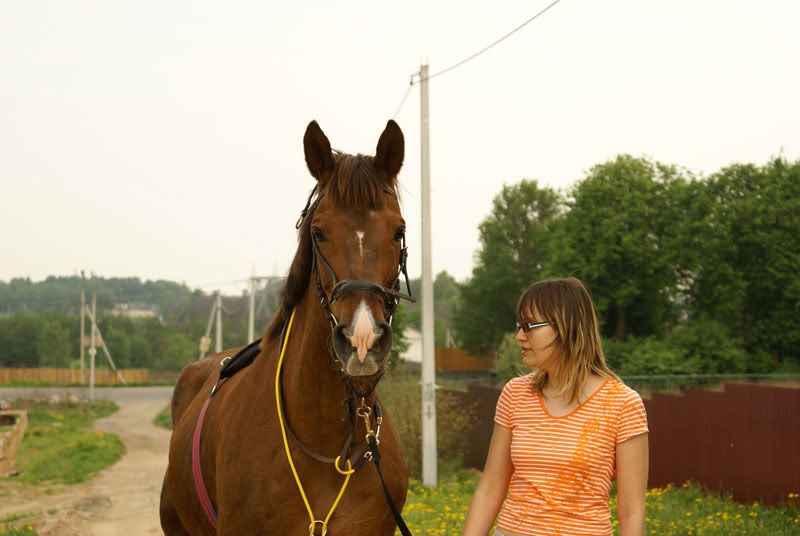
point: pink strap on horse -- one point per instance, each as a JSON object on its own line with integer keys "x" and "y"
{"x": 197, "y": 472}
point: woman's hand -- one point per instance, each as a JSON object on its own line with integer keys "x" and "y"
{"x": 632, "y": 464}
{"x": 493, "y": 484}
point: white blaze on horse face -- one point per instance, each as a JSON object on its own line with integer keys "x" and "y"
{"x": 363, "y": 333}
{"x": 360, "y": 235}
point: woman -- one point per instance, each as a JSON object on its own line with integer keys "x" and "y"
{"x": 563, "y": 431}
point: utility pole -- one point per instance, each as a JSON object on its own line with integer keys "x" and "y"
{"x": 83, "y": 329}
{"x": 92, "y": 349}
{"x": 251, "y": 326}
{"x": 205, "y": 340}
{"x": 96, "y": 328}
{"x": 429, "y": 456}
{"x": 218, "y": 341}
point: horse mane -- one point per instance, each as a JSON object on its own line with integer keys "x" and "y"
{"x": 354, "y": 184}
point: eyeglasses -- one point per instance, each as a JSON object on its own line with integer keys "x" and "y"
{"x": 528, "y": 326}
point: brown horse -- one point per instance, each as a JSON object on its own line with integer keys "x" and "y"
{"x": 342, "y": 286}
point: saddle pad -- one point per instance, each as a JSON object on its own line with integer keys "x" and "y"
{"x": 242, "y": 359}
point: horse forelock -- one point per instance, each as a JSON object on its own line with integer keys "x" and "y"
{"x": 354, "y": 184}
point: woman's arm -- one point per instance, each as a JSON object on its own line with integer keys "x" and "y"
{"x": 632, "y": 463}
{"x": 492, "y": 487}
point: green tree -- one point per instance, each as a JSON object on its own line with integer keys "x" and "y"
{"x": 509, "y": 359}
{"x": 748, "y": 276}
{"x": 119, "y": 346}
{"x": 52, "y": 345}
{"x": 621, "y": 236}
{"x": 177, "y": 351}
{"x": 19, "y": 335}
{"x": 141, "y": 352}
{"x": 515, "y": 241}
{"x": 446, "y": 296}
{"x": 399, "y": 341}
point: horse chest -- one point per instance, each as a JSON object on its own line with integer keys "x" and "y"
{"x": 273, "y": 504}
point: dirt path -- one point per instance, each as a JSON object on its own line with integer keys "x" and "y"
{"x": 121, "y": 500}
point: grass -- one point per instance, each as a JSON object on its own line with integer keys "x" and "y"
{"x": 57, "y": 448}
{"x": 164, "y": 418}
{"x": 671, "y": 510}
{"x": 18, "y": 525}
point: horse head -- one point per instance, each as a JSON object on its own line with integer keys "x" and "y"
{"x": 356, "y": 233}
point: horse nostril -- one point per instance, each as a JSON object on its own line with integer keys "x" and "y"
{"x": 384, "y": 342}
{"x": 341, "y": 340}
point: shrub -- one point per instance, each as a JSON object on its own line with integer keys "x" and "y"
{"x": 700, "y": 347}
{"x": 400, "y": 394}
{"x": 706, "y": 347}
{"x": 509, "y": 360}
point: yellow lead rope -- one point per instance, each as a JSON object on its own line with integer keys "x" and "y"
{"x": 349, "y": 471}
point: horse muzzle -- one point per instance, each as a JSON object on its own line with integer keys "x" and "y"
{"x": 363, "y": 349}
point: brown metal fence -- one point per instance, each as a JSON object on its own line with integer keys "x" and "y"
{"x": 744, "y": 439}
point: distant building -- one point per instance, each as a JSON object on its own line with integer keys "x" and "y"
{"x": 449, "y": 359}
{"x": 133, "y": 310}
{"x": 414, "y": 352}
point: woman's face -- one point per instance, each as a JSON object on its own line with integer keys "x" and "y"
{"x": 535, "y": 344}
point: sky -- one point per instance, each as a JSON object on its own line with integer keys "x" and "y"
{"x": 163, "y": 140}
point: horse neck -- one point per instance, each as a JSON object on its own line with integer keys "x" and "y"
{"x": 313, "y": 392}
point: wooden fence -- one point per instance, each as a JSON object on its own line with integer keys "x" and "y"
{"x": 457, "y": 360}
{"x": 102, "y": 376}
{"x": 744, "y": 439}
{"x": 10, "y": 439}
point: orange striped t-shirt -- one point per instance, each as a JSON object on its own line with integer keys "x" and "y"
{"x": 563, "y": 465}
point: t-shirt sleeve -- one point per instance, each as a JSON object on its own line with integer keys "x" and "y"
{"x": 633, "y": 417}
{"x": 505, "y": 408}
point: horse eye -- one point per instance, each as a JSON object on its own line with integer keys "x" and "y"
{"x": 399, "y": 234}
{"x": 319, "y": 236}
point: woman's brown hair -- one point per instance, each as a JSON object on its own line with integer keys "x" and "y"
{"x": 578, "y": 350}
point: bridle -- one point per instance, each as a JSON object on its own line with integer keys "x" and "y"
{"x": 353, "y": 458}
{"x": 391, "y": 296}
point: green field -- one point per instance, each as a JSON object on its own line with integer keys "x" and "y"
{"x": 681, "y": 510}
{"x": 164, "y": 418}
{"x": 17, "y": 525}
{"x": 57, "y": 447}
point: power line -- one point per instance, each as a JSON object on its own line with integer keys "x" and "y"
{"x": 473, "y": 56}
{"x": 506, "y": 36}
{"x": 402, "y": 102}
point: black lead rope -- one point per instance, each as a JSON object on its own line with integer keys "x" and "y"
{"x": 245, "y": 357}
{"x": 376, "y": 459}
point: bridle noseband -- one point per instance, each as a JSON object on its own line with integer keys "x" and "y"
{"x": 391, "y": 296}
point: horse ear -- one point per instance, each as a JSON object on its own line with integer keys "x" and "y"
{"x": 319, "y": 158}
{"x": 391, "y": 149}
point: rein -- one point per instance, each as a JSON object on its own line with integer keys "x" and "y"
{"x": 231, "y": 365}
{"x": 347, "y": 473}
{"x": 245, "y": 356}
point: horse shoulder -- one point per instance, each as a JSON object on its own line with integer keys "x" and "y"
{"x": 193, "y": 378}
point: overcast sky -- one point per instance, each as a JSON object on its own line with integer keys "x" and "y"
{"x": 164, "y": 139}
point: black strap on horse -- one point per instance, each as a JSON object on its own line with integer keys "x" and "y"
{"x": 391, "y": 295}
{"x": 376, "y": 459}
{"x": 245, "y": 357}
